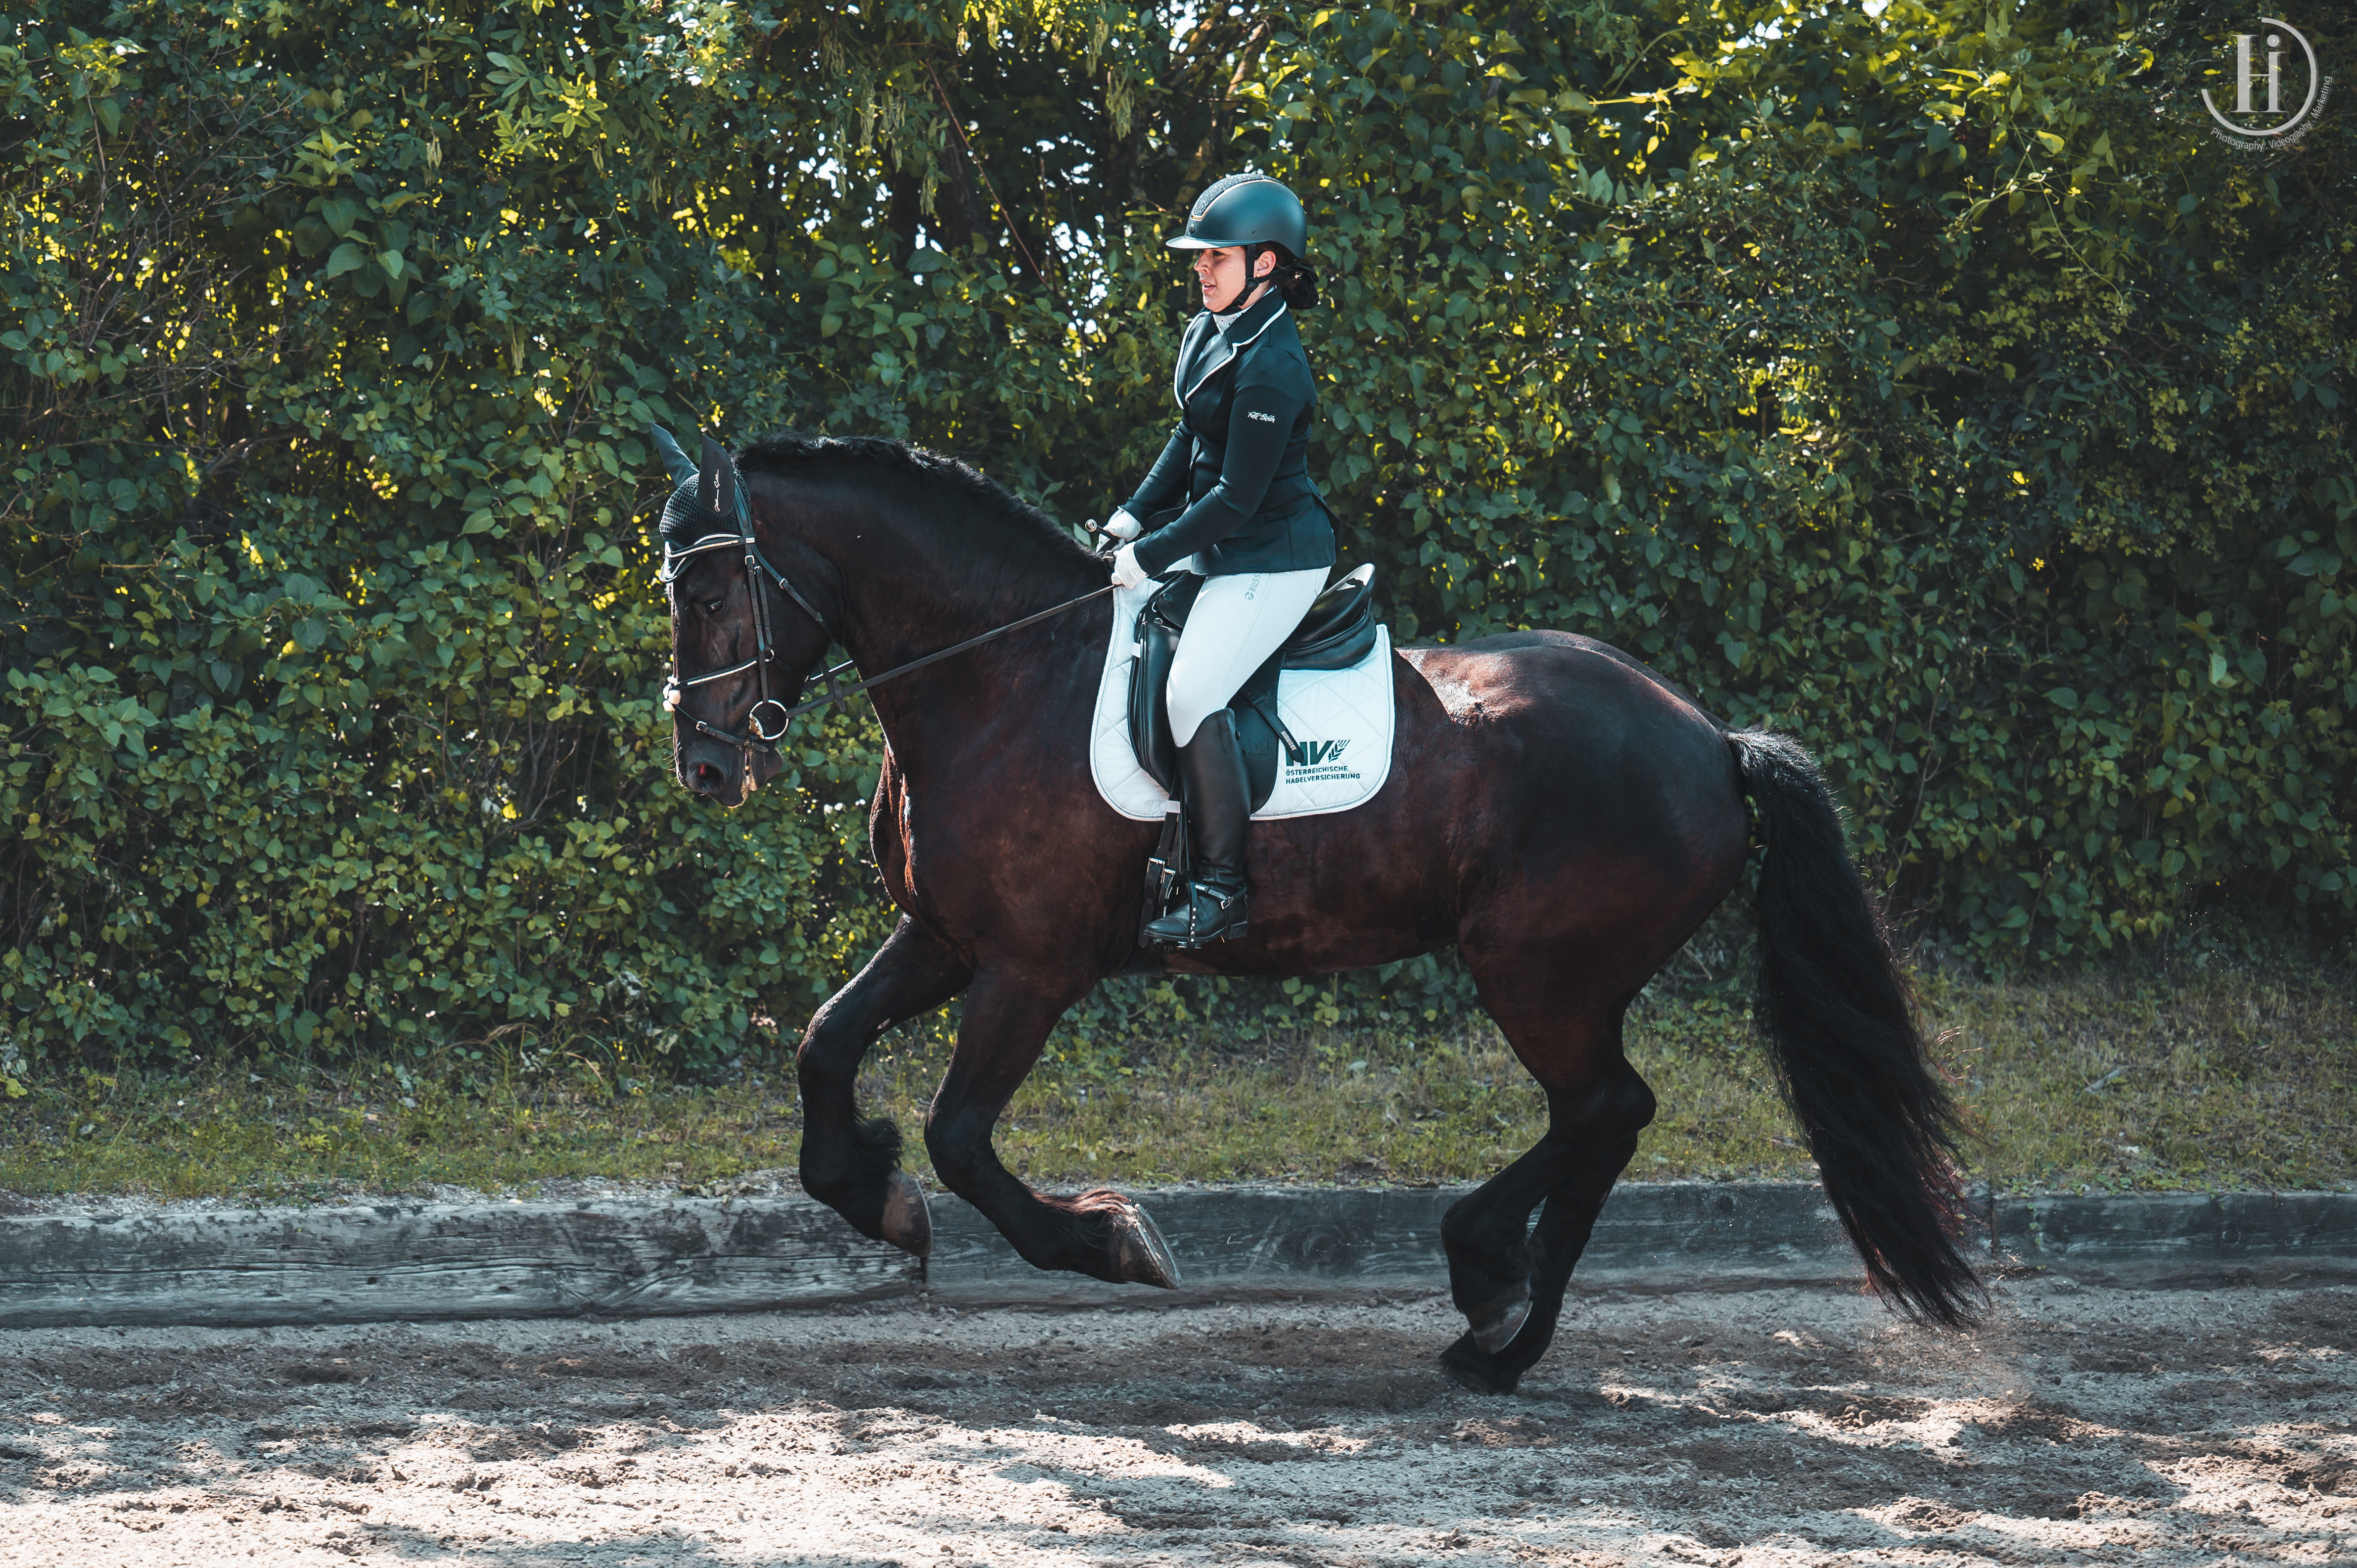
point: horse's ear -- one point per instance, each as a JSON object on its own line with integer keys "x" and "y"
{"x": 715, "y": 482}
{"x": 675, "y": 462}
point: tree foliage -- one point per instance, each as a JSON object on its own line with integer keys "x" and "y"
{"x": 1925, "y": 380}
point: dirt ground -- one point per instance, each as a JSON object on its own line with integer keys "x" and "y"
{"x": 1773, "y": 1427}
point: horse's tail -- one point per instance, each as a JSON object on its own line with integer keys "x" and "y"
{"x": 1834, "y": 1009}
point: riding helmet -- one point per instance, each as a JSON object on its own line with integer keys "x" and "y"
{"x": 1246, "y": 209}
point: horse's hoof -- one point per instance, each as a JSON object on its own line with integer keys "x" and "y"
{"x": 907, "y": 1223}
{"x": 1140, "y": 1255}
{"x": 1477, "y": 1369}
{"x": 1497, "y": 1328}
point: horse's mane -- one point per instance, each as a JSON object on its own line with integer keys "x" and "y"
{"x": 786, "y": 454}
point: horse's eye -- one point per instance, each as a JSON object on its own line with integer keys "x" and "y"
{"x": 713, "y": 607}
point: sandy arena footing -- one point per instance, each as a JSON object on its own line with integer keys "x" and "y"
{"x": 1790, "y": 1426}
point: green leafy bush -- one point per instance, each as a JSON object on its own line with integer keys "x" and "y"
{"x": 1930, "y": 385}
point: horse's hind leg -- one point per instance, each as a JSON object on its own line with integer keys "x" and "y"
{"x": 1007, "y": 1016}
{"x": 1508, "y": 1276}
{"x": 851, "y": 1165}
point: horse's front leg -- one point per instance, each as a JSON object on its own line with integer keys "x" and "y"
{"x": 849, "y": 1165}
{"x": 1007, "y": 1016}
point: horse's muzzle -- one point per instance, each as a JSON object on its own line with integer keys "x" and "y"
{"x": 712, "y": 771}
{"x": 724, "y": 774}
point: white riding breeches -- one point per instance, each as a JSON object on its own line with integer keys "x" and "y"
{"x": 1237, "y": 622}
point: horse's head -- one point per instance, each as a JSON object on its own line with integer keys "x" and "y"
{"x": 741, "y": 645}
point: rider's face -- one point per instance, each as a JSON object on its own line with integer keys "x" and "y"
{"x": 1224, "y": 274}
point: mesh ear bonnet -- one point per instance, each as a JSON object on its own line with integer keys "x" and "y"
{"x": 686, "y": 518}
{"x": 704, "y": 501}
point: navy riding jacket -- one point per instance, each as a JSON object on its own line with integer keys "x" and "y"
{"x": 1235, "y": 471}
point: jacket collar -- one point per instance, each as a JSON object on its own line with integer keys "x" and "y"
{"x": 1217, "y": 349}
{"x": 1248, "y": 327}
{"x": 1201, "y": 336}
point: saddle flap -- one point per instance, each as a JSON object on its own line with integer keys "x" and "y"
{"x": 1159, "y": 624}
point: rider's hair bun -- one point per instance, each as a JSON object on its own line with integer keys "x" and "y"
{"x": 1292, "y": 276}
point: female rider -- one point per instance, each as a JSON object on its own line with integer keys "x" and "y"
{"x": 1241, "y": 513}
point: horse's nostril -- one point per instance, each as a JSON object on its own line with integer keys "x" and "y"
{"x": 708, "y": 778}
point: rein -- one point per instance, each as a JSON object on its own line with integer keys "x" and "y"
{"x": 834, "y": 697}
{"x": 758, "y": 737}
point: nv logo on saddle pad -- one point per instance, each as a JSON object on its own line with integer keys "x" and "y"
{"x": 1314, "y": 753}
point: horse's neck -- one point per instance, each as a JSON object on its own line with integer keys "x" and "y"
{"x": 916, "y": 590}
{"x": 920, "y": 580}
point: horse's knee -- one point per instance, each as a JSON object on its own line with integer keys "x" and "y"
{"x": 1633, "y": 1103}
{"x": 1618, "y": 1104}
{"x": 959, "y": 1156}
{"x": 831, "y": 1050}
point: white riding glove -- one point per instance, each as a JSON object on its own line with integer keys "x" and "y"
{"x": 1121, "y": 525}
{"x": 1127, "y": 571}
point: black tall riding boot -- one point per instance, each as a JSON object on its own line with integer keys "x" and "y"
{"x": 1216, "y": 794}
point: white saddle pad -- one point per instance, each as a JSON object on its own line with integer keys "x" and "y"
{"x": 1342, "y": 719}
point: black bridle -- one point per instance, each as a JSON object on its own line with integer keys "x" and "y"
{"x": 758, "y": 737}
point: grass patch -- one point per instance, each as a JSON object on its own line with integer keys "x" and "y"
{"x": 2137, "y": 1076}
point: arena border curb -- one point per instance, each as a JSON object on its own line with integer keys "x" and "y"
{"x": 612, "y": 1257}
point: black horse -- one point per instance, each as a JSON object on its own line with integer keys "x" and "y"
{"x": 1561, "y": 813}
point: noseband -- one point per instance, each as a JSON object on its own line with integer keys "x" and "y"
{"x": 756, "y": 735}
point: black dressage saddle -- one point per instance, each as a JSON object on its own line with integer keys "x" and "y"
{"x": 1337, "y": 633}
